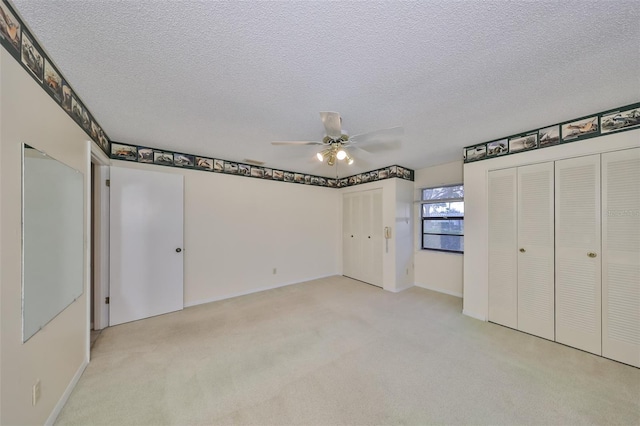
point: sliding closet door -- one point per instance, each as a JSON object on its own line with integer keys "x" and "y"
{"x": 535, "y": 250}
{"x": 503, "y": 251}
{"x": 578, "y": 278}
{"x": 621, "y": 256}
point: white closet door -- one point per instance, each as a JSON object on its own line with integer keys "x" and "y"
{"x": 366, "y": 255}
{"x": 347, "y": 236}
{"x": 578, "y": 278}
{"x": 503, "y": 251}
{"x": 535, "y": 250}
{"x": 621, "y": 256}
{"x": 375, "y": 242}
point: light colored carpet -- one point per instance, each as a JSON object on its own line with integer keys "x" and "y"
{"x": 336, "y": 351}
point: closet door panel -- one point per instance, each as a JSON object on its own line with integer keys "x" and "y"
{"x": 535, "y": 250}
{"x": 503, "y": 251}
{"x": 376, "y": 240}
{"x": 621, "y": 256}
{"x": 367, "y": 228}
{"x": 578, "y": 267}
{"x": 347, "y": 236}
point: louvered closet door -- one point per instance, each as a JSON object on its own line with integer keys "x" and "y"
{"x": 535, "y": 250}
{"x": 503, "y": 251}
{"x": 578, "y": 256}
{"x": 621, "y": 256}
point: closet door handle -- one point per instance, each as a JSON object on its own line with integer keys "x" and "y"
{"x": 591, "y": 254}
{"x": 522, "y": 250}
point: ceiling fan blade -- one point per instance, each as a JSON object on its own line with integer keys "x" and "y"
{"x": 359, "y": 149}
{"x": 332, "y": 124}
{"x": 296, "y": 143}
{"x": 378, "y": 135}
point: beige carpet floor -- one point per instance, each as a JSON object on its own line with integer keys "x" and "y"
{"x": 336, "y": 351}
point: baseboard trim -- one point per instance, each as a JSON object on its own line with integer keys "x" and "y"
{"x": 398, "y": 290}
{"x": 65, "y": 396}
{"x": 476, "y": 316}
{"x": 257, "y": 290}
{"x": 439, "y": 290}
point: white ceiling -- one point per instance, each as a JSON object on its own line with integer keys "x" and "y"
{"x": 224, "y": 79}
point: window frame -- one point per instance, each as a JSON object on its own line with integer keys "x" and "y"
{"x": 424, "y": 202}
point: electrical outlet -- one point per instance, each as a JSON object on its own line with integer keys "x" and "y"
{"x": 275, "y": 271}
{"x": 35, "y": 397}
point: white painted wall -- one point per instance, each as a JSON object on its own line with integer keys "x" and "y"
{"x": 238, "y": 229}
{"x": 58, "y": 353}
{"x": 397, "y": 199}
{"x": 476, "y": 290}
{"x": 439, "y": 271}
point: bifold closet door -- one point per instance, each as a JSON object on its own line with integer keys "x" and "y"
{"x": 351, "y": 250}
{"x": 621, "y": 256}
{"x": 362, "y": 236}
{"x": 371, "y": 237}
{"x": 535, "y": 250}
{"x": 578, "y": 255}
{"x": 503, "y": 252}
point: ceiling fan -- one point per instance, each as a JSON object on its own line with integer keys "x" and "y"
{"x": 337, "y": 140}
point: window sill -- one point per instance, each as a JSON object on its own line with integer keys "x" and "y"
{"x": 442, "y": 250}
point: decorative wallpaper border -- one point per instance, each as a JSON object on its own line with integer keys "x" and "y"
{"x": 18, "y": 40}
{"x": 143, "y": 154}
{"x": 590, "y": 126}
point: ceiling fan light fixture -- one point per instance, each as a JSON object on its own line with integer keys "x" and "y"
{"x": 349, "y": 159}
{"x": 332, "y": 159}
{"x": 341, "y": 154}
{"x": 320, "y": 156}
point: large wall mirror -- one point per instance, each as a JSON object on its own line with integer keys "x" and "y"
{"x": 52, "y": 239}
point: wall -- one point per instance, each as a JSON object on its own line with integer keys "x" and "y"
{"x": 439, "y": 271}
{"x": 397, "y": 196}
{"x": 58, "y": 353}
{"x": 476, "y": 287}
{"x": 237, "y": 229}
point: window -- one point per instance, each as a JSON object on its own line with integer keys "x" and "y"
{"x": 443, "y": 218}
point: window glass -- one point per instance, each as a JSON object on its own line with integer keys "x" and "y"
{"x": 443, "y": 218}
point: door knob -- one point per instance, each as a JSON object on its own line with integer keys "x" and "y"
{"x": 591, "y": 254}
{"x": 178, "y": 250}
{"x": 522, "y": 250}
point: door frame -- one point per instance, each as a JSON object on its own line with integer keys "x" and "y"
{"x": 100, "y": 209}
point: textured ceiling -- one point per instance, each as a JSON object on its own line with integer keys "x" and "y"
{"x": 224, "y": 79}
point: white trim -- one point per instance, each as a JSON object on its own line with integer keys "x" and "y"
{"x": 65, "y": 396}
{"x": 98, "y": 156}
{"x": 439, "y": 290}
{"x": 101, "y": 246}
{"x": 257, "y": 290}
{"x": 474, "y": 315}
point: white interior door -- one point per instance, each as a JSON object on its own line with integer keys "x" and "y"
{"x": 146, "y": 233}
{"x": 621, "y": 256}
{"x": 503, "y": 248}
{"x": 535, "y": 250}
{"x": 578, "y": 267}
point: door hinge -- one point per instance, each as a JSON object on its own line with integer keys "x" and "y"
{"x": 106, "y": 300}
{"x": 108, "y": 182}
